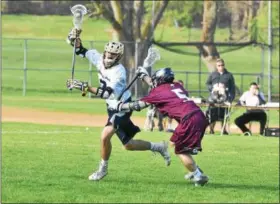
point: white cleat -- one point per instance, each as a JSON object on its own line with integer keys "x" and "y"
{"x": 98, "y": 175}
{"x": 164, "y": 153}
{"x": 200, "y": 181}
{"x": 189, "y": 176}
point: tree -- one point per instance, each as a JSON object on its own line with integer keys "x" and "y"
{"x": 132, "y": 23}
{"x": 209, "y": 53}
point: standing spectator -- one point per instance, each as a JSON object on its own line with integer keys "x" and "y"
{"x": 223, "y": 81}
{"x": 253, "y": 97}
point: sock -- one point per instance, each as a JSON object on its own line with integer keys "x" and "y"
{"x": 197, "y": 173}
{"x": 156, "y": 146}
{"x": 104, "y": 162}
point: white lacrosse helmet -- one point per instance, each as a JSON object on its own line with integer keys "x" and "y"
{"x": 114, "y": 48}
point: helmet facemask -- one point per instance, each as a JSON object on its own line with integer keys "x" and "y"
{"x": 112, "y": 53}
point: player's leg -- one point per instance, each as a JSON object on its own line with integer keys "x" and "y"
{"x": 169, "y": 125}
{"x": 106, "y": 148}
{"x": 195, "y": 173}
{"x": 142, "y": 145}
{"x": 160, "y": 121}
{"x": 126, "y": 130}
{"x": 187, "y": 141}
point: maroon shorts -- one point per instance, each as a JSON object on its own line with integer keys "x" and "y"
{"x": 189, "y": 133}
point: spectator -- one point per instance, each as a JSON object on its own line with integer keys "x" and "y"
{"x": 253, "y": 97}
{"x": 221, "y": 86}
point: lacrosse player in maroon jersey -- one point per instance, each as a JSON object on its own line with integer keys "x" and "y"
{"x": 171, "y": 99}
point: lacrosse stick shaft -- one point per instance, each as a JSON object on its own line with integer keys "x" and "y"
{"x": 153, "y": 56}
{"x": 78, "y": 12}
{"x": 129, "y": 85}
{"x": 73, "y": 59}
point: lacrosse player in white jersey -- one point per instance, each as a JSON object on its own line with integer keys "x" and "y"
{"x": 112, "y": 78}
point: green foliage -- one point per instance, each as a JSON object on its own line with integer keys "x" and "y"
{"x": 261, "y": 23}
{"x": 183, "y": 12}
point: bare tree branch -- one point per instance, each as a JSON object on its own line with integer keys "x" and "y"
{"x": 109, "y": 15}
{"x": 157, "y": 17}
{"x": 116, "y": 7}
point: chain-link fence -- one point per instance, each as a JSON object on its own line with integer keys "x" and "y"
{"x": 44, "y": 65}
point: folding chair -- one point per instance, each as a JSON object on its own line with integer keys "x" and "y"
{"x": 222, "y": 115}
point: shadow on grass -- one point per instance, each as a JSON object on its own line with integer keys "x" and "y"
{"x": 244, "y": 186}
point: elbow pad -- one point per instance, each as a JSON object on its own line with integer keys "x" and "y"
{"x": 134, "y": 106}
{"x": 104, "y": 92}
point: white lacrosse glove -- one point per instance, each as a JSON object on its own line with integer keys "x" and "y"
{"x": 115, "y": 105}
{"x": 74, "y": 34}
{"x": 141, "y": 73}
{"x": 76, "y": 84}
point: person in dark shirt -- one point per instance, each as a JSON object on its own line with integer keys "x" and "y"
{"x": 218, "y": 81}
{"x": 171, "y": 99}
{"x": 252, "y": 97}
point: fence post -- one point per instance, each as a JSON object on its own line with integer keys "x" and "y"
{"x": 135, "y": 65}
{"x": 90, "y": 69}
{"x": 199, "y": 75}
{"x": 24, "y": 68}
{"x": 262, "y": 64}
{"x": 241, "y": 83}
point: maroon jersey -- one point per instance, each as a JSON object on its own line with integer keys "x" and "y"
{"x": 172, "y": 100}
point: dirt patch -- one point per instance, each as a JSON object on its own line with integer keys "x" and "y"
{"x": 38, "y": 116}
{"x": 14, "y": 114}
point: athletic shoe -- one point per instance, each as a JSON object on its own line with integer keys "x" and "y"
{"x": 189, "y": 176}
{"x": 99, "y": 174}
{"x": 200, "y": 181}
{"x": 247, "y": 134}
{"x": 164, "y": 153}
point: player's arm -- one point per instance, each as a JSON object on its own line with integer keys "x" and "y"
{"x": 103, "y": 91}
{"x": 144, "y": 75}
{"x": 129, "y": 106}
{"x": 79, "y": 48}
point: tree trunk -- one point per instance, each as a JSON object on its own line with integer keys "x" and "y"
{"x": 209, "y": 53}
{"x": 126, "y": 18}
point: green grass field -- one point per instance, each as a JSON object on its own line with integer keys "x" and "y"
{"x": 50, "y": 164}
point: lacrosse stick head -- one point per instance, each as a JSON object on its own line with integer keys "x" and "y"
{"x": 78, "y": 12}
{"x": 152, "y": 57}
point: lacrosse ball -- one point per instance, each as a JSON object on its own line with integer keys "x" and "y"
{"x": 87, "y": 128}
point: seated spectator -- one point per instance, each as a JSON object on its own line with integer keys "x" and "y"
{"x": 253, "y": 97}
{"x": 221, "y": 87}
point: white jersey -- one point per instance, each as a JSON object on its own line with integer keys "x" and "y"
{"x": 115, "y": 77}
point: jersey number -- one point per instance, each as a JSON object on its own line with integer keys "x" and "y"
{"x": 179, "y": 92}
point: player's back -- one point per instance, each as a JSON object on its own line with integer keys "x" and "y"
{"x": 172, "y": 99}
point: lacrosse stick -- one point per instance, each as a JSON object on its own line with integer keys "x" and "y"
{"x": 152, "y": 57}
{"x": 78, "y": 12}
